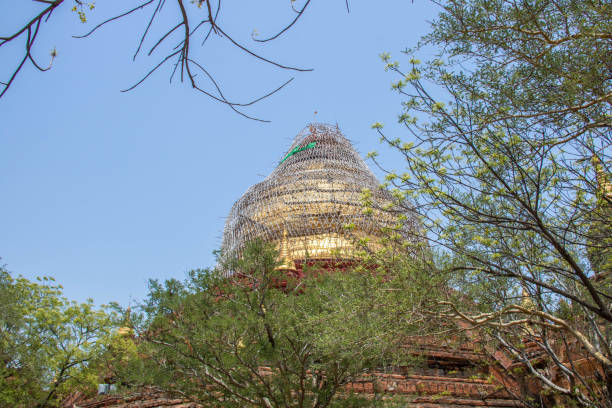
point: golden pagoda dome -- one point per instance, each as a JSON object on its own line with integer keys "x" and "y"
{"x": 307, "y": 202}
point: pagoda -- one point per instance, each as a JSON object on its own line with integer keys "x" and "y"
{"x": 312, "y": 205}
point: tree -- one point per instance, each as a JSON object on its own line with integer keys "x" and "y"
{"x": 262, "y": 339}
{"x": 197, "y": 22}
{"x": 48, "y": 345}
{"x": 509, "y": 165}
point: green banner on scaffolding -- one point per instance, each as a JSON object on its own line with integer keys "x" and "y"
{"x": 299, "y": 149}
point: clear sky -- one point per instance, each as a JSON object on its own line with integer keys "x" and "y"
{"x": 103, "y": 190}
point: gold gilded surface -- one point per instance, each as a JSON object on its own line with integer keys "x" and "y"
{"x": 305, "y": 204}
{"x": 285, "y": 254}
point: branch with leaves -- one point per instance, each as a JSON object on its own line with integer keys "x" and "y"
{"x": 49, "y": 346}
{"x": 508, "y": 163}
{"x": 262, "y": 339}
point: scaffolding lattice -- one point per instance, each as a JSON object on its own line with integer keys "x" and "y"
{"x": 305, "y": 204}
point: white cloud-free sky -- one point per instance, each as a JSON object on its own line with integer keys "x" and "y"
{"x": 103, "y": 190}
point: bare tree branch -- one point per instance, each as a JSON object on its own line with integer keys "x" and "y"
{"x": 281, "y": 32}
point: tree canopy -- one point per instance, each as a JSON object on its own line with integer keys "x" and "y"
{"x": 261, "y": 338}
{"x": 508, "y": 162}
{"x": 49, "y": 346}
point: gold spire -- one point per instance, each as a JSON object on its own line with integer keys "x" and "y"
{"x": 316, "y": 194}
{"x": 126, "y": 329}
{"x": 283, "y": 255}
{"x": 526, "y": 300}
{"x": 604, "y": 185}
{"x": 527, "y": 303}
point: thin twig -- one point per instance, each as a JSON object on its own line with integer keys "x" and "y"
{"x": 114, "y": 18}
{"x": 150, "y": 72}
{"x": 160, "y": 4}
{"x": 299, "y": 14}
{"x": 260, "y": 57}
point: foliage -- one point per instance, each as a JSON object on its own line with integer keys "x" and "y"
{"x": 49, "y": 346}
{"x": 262, "y": 338}
{"x": 509, "y": 164}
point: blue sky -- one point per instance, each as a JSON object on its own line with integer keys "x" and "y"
{"x": 103, "y": 190}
